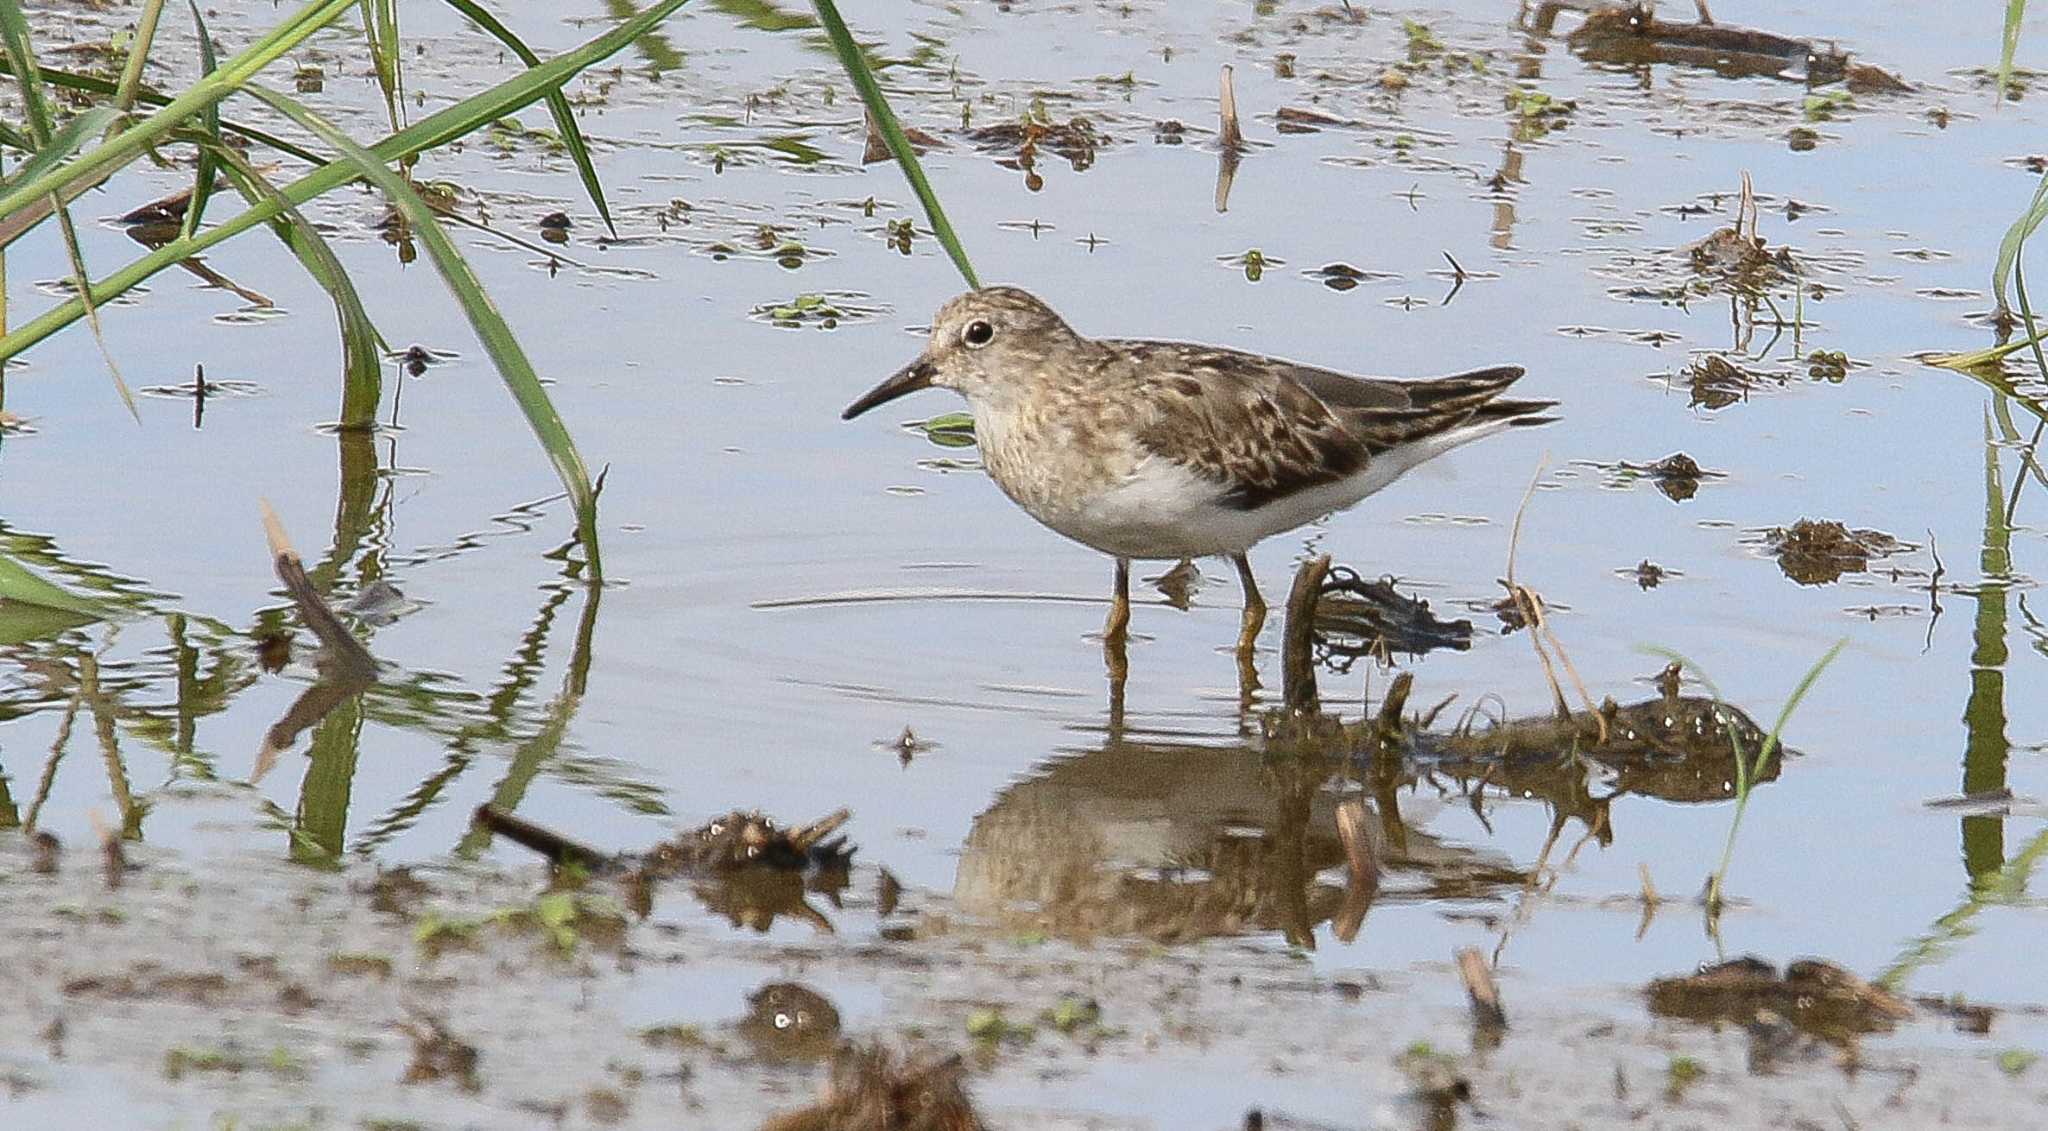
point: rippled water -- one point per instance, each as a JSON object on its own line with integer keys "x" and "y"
{"x": 789, "y": 593}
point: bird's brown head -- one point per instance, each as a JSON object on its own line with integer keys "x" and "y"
{"x": 981, "y": 343}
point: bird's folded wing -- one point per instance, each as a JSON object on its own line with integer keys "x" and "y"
{"x": 1238, "y": 420}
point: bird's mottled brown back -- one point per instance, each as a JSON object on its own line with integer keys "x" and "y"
{"x": 1239, "y": 419}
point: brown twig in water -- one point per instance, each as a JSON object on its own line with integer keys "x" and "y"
{"x": 809, "y": 836}
{"x": 1389, "y": 718}
{"x": 1651, "y": 901}
{"x": 45, "y": 849}
{"x": 345, "y": 652}
{"x": 346, "y": 667}
{"x": 1934, "y": 588}
{"x": 1297, "y": 635}
{"x": 111, "y": 852}
{"x": 1480, "y": 988}
{"x": 1230, "y": 135}
{"x": 1364, "y": 869}
{"x": 1530, "y": 605}
{"x": 1746, "y": 206}
{"x": 557, "y": 848}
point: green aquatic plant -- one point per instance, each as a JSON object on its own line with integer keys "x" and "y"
{"x": 1680, "y": 1073}
{"x": 115, "y": 126}
{"x": 948, "y": 429}
{"x": 2009, "y": 42}
{"x": 1749, "y": 769}
{"x": 1821, "y": 107}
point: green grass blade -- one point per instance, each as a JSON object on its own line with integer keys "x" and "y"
{"x": 498, "y": 340}
{"x": 380, "y": 31}
{"x": 18, "y": 584}
{"x": 863, "y": 78}
{"x": 2009, "y": 246}
{"x": 1747, "y": 771}
{"x": 2015, "y": 11}
{"x": 209, "y": 123}
{"x": 138, "y": 54}
{"x": 14, "y": 33}
{"x": 14, "y": 36}
{"x": 97, "y": 164}
{"x": 464, "y": 117}
{"x": 558, "y": 107}
{"x": 82, "y": 280}
{"x": 2019, "y": 286}
{"x": 362, "y": 379}
{"x": 92, "y": 84}
{"x": 62, "y": 143}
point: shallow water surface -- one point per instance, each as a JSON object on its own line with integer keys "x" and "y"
{"x": 792, "y": 601}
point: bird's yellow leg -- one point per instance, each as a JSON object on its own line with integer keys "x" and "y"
{"x": 1254, "y": 606}
{"x": 1117, "y": 626}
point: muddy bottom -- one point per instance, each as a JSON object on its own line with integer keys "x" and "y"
{"x": 239, "y": 992}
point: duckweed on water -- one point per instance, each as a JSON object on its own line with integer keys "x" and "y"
{"x": 948, "y": 430}
{"x": 1073, "y": 1013}
{"x": 803, "y": 310}
{"x": 1821, "y": 107}
{"x": 1681, "y": 1073}
{"x": 990, "y": 1027}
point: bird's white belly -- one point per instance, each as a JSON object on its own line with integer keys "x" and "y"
{"x": 1164, "y": 510}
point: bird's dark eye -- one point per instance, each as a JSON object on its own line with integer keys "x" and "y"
{"x": 978, "y": 333}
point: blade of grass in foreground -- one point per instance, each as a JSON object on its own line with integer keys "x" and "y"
{"x": 14, "y": 33}
{"x": 2009, "y": 244}
{"x": 464, "y": 117}
{"x": 362, "y": 367}
{"x": 558, "y": 106}
{"x": 99, "y": 163}
{"x": 138, "y": 54}
{"x": 863, "y": 78}
{"x": 209, "y": 124}
{"x": 490, "y": 326}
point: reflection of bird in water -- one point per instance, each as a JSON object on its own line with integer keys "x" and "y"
{"x": 1180, "y": 841}
{"x": 1177, "y": 841}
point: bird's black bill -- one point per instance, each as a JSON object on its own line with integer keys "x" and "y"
{"x": 909, "y": 379}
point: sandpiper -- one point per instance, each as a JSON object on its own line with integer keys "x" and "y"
{"x": 1165, "y": 450}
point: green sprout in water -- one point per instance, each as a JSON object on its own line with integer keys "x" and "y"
{"x": 2013, "y": 1062}
{"x": 1830, "y": 366}
{"x": 1821, "y": 107}
{"x": 1747, "y": 769}
{"x": 1537, "y": 113}
{"x": 803, "y": 310}
{"x": 990, "y": 1027}
{"x": 1422, "y": 42}
{"x": 1073, "y": 1013}
{"x": 901, "y": 233}
{"x": 1681, "y": 1073}
{"x": 948, "y": 430}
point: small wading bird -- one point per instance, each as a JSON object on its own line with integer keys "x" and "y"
{"x": 1165, "y": 450}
